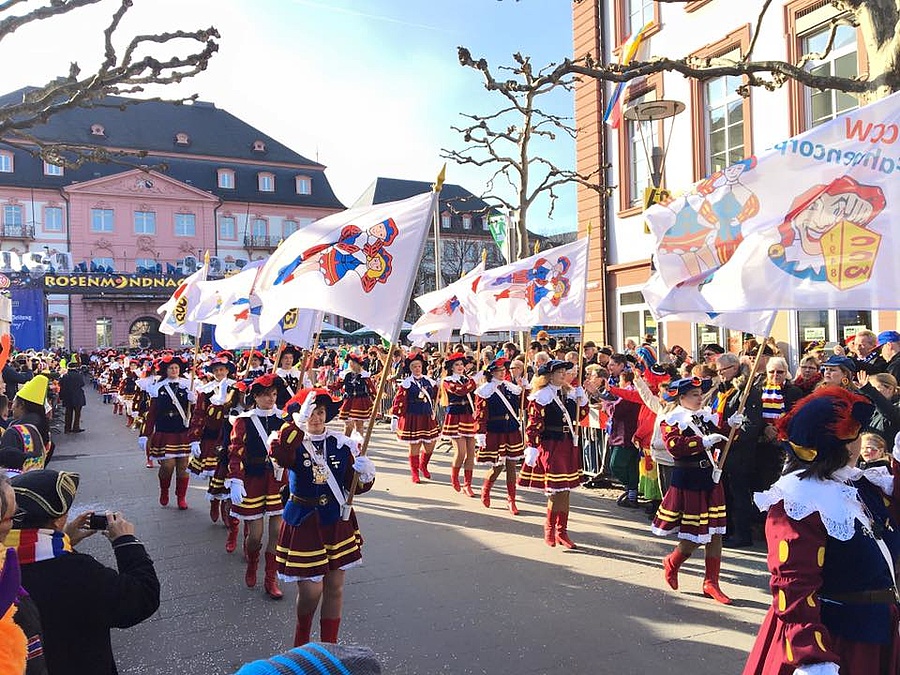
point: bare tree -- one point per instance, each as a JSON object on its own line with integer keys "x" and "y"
{"x": 126, "y": 69}
{"x": 504, "y": 140}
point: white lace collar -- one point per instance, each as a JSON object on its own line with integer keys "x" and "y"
{"x": 407, "y": 383}
{"x": 836, "y": 501}
{"x": 683, "y": 418}
{"x": 545, "y": 395}
{"x": 260, "y": 413}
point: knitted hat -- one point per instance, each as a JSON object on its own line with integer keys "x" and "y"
{"x": 35, "y": 390}
{"x": 319, "y": 658}
{"x": 44, "y": 494}
{"x": 21, "y": 448}
{"x": 823, "y": 423}
{"x": 684, "y": 385}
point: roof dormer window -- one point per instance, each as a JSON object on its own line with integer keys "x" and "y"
{"x": 266, "y": 181}
{"x": 182, "y": 138}
{"x": 259, "y": 146}
{"x": 303, "y": 185}
{"x": 97, "y": 130}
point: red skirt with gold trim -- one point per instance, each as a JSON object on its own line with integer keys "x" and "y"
{"x": 459, "y": 425}
{"x": 311, "y": 549}
{"x": 169, "y": 445}
{"x": 204, "y": 466}
{"x": 356, "y": 408}
{"x": 417, "y": 428}
{"x": 263, "y": 497}
{"x": 694, "y": 515}
{"x": 558, "y": 467}
{"x": 501, "y": 448}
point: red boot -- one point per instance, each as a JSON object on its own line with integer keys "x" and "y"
{"x": 328, "y": 629}
{"x": 550, "y": 528}
{"x": 671, "y": 563}
{"x": 164, "y": 484}
{"x": 511, "y": 494}
{"x": 711, "y": 582}
{"x": 231, "y": 540}
{"x": 301, "y": 632}
{"x": 486, "y": 492}
{"x": 562, "y": 534}
{"x": 270, "y": 581}
{"x": 181, "y": 488}
{"x": 423, "y": 464}
{"x": 252, "y": 567}
{"x": 467, "y": 485}
{"x": 454, "y": 477}
{"x": 414, "y": 468}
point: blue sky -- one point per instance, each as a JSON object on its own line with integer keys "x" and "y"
{"x": 369, "y": 87}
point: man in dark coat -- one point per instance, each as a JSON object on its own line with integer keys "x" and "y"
{"x": 78, "y": 598}
{"x": 14, "y": 376}
{"x": 889, "y": 342}
{"x": 71, "y": 393}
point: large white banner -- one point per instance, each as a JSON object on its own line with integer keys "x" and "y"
{"x": 806, "y": 225}
{"x": 544, "y": 289}
{"x": 443, "y": 311}
{"x": 358, "y": 263}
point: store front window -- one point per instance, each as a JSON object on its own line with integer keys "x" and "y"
{"x": 104, "y": 332}
{"x": 830, "y": 325}
{"x": 635, "y": 320}
{"x": 56, "y": 332}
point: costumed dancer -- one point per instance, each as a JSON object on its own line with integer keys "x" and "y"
{"x": 217, "y": 492}
{"x": 833, "y": 537}
{"x": 289, "y": 373}
{"x": 256, "y": 364}
{"x": 359, "y": 394}
{"x": 459, "y": 421}
{"x": 127, "y": 391}
{"x": 552, "y": 456}
{"x": 207, "y": 420}
{"x": 694, "y": 505}
{"x": 497, "y": 414}
{"x": 142, "y": 404}
{"x": 413, "y": 416}
{"x": 320, "y": 536}
{"x": 254, "y": 484}
{"x": 165, "y": 433}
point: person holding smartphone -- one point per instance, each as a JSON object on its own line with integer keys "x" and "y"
{"x": 79, "y": 599}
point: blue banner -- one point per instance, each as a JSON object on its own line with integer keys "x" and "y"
{"x": 28, "y": 320}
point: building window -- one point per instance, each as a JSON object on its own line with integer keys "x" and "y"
{"x": 6, "y": 162}
{"x": 227, "y": 228}
{"x": 52, "y": 169}
{"x": 103, "y": 264}
{"x": 53, "y": 219}
{"x": 640, "y": 13}
{"x": 259, "y": 146}
{"x": 639, "y": 135}
{"x": 467, "y": 221}
{"x": 226, "y": 179}
{"x": 842, "y": 61}
{"x": 12, "y": 215}
{"x": 288, "y": 227}
{"x": 145, "y": 265}
{"x": 101, "y": 220}
{"x": 97, "y": 130}
{"x": 304, "y": 185}
{"x": 185, "y": 225}
{"x": 723, "y": 122}
{"x": 260, "y": 228}
{"x": 56, "y": 332}
{"x": 830, "y": 325}
{"x": 445, "y": 221}
{"x": 144, "y": 222}
{"x": 632, "y": 15}
{"x": 484, "y": 223}
{"x": 104, "y": 332}
{"x": 635, "y": 319}
{"x": 266, "y": 182}
{"x": 182, "y": 138}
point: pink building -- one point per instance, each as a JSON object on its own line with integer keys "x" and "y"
{"x": 208, "y": 182}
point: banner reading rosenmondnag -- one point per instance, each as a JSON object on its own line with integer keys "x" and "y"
{"x": 111, "y": 283}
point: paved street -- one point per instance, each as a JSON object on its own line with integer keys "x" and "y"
{"x": 447, "y": 586}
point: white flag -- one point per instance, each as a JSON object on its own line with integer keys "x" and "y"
{"x": 443, "y": 310}
{"x": 218, "y": 297}
{"x": 544, "y": 289}
{"x": 806, "y": 225}
{"x": 177, "y": 309}
{"x": 359, "y": 263}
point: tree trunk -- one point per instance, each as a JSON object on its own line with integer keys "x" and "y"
{"x": 879, "y": 24}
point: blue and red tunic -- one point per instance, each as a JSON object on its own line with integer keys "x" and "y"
{"x": 414, "y": 408}
{"x": 248, "y": 460}
{"x": 502, "y": 430}
{"x": 166, "y": 429}
{"x": 459, "y": 420}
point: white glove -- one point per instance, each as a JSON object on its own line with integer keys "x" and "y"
{"x": 356, "y": 441}
{"x": 481, "y": 440}
{"x": 394, "y": 425}
{"x": 824, "y": 668}
{"x": 236, "y": 486}
{"x": 195, "y": 449}
{"x": 736, "y": 420}
{"x": 713, "y": 439}
{"x": 365, "y": 467}
{"x": 580, "y": 395}
{"x": 531, "y": 456}
{"x": 142, "y": 443}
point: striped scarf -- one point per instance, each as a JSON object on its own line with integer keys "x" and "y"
{"x": 34, "y": 545}
{"x": 772, "y": 402}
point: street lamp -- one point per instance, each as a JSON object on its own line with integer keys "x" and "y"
{"x": 654, "y": 111}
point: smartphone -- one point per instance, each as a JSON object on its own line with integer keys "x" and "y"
{"x": 98, "y": 521}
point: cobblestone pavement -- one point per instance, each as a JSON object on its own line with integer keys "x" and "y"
{"x": 447, "y": 586}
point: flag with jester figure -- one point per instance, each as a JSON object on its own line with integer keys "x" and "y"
{"x": 442, "y": 310}
{"x": 359, "y": 264}
{"x": 543, "y": 289}
{"x": 177, "y": 311}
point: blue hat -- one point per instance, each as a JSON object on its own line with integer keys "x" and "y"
{"x": 824, "y": 422}
{"x": 844, "y": 362}
{"x": 886, "y": 336}
{"x": 684, "y": 385}
{"x": 553, "y": 365}
{"x": 319, "y": 658}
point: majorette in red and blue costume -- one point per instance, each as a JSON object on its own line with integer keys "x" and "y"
{"x": 413, "y": 416}
{"x": 358, "y": 390}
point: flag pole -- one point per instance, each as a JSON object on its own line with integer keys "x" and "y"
{"x": 310, "y": 362}
{"x": 584, "y": 309}
{"x": 395, "y": 336}
{"x": 277, "y": 358}
{"x": 197, "y": 338}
